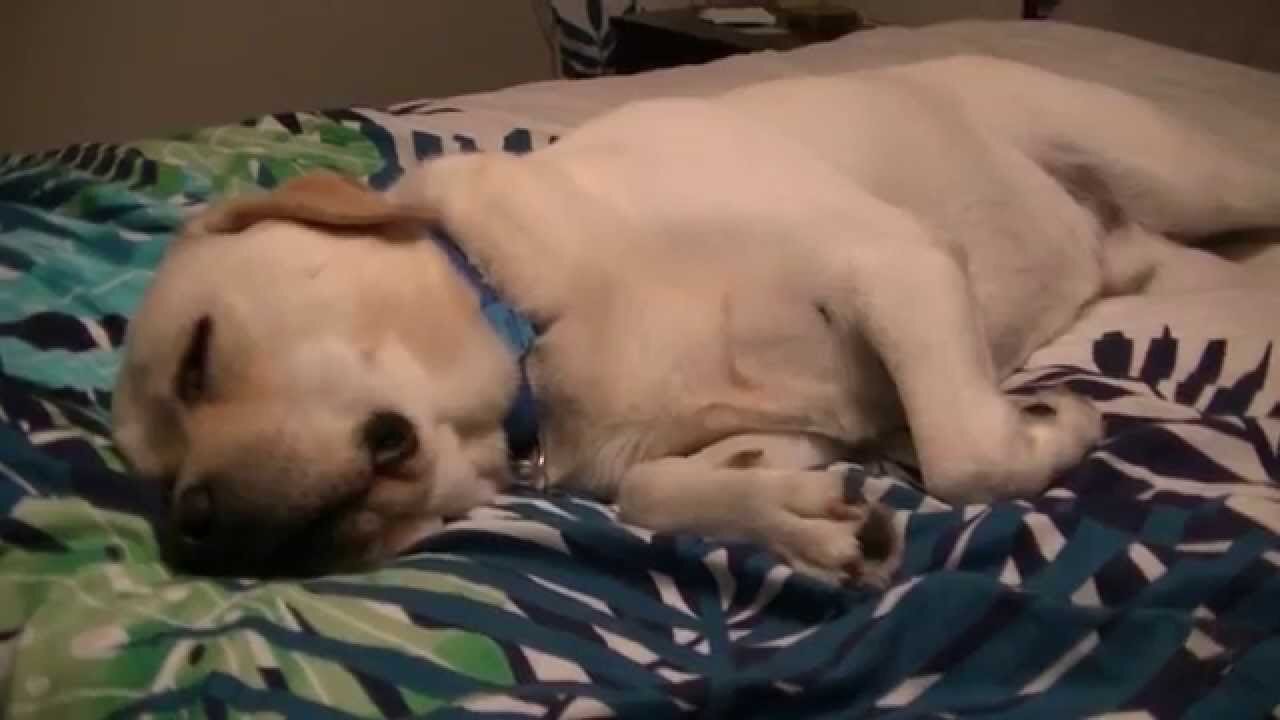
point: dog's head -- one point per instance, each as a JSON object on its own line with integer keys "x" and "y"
{"x": 310, "y": 384}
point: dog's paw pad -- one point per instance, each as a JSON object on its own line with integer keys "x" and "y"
{"x": 1063, "y": 425}
{"x": 878, "y": 537}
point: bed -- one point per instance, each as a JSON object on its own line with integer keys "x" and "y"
{"x": 1145, "y": 583}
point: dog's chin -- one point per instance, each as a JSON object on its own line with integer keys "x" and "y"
{"x": 313, "y": 548}
{"x": 366, "y": 528}
{"x": 322, "y": 546}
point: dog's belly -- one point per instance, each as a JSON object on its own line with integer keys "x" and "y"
{"x": 662, "y": 355}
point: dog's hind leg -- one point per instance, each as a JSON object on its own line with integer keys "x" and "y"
{"x": 912, "y": 300}
{"x": 1158, "y": 172}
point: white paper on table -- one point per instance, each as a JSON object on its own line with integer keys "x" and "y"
{"x": 737, "y": 16}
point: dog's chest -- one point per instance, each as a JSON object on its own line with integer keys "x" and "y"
{"x": 657, "y": 352}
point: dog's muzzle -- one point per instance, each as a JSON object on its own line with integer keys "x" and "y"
{"x": 214, "y": 527}
{"x": 208, "y": 535}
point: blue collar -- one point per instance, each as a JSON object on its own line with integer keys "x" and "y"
{"x": 521, "y": 423}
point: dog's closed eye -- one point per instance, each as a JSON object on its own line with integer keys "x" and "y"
{"x": 192, "y": 379}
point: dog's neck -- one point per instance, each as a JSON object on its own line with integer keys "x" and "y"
{"x": 521, "y": 423}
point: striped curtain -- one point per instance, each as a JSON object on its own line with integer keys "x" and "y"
{"x": 585, "y": 36}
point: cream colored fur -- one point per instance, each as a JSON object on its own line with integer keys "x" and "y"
{"x": 734, "y": 290}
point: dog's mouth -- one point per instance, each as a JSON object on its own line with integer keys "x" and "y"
{"x": 324, "y": 541}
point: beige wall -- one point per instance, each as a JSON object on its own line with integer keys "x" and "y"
{"x": 73, "y": 70}
{"x": 1243, "y": 31}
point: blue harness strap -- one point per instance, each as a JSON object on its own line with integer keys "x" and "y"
{"x": 521, "y": 423}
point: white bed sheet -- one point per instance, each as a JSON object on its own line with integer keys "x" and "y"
{"x": 1238, "y": 103}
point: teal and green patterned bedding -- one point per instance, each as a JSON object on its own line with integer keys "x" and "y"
{"x": 1147, "y": 581}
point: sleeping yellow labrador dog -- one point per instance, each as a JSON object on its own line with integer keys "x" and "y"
{"x": 729, "y": 292}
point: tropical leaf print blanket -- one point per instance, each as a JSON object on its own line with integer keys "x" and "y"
{"x": 1146, "y": 582}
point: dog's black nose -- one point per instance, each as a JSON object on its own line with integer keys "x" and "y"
{"x": 194, "y": 513}
{"x": 391, "y": 440}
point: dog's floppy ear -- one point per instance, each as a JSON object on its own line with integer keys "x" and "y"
{"x": 321, "y": 198}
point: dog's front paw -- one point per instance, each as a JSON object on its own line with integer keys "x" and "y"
{"x": 1039, "y": 437}
{"x": 809, "y": 522}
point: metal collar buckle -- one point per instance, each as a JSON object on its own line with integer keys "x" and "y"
{"x": 531, "y": 471}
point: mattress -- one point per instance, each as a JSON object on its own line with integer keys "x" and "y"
{"x": 1145, "y": 581}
